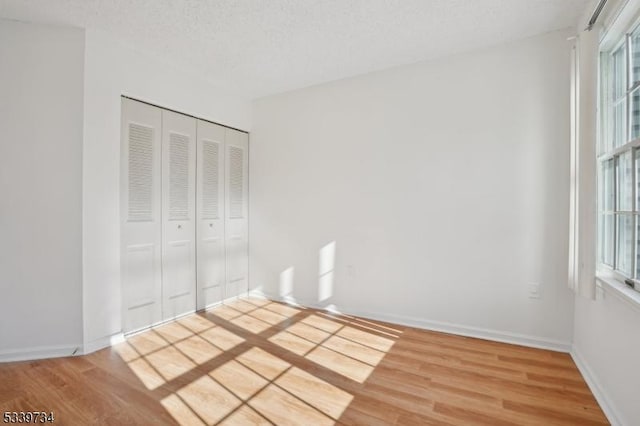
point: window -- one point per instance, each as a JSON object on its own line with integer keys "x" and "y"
{"x": 619, "y": 159}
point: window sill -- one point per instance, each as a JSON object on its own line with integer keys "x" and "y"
{"x": 609, "y": 284}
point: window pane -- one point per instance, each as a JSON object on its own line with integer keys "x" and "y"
{"x": 624, "y": 182}
{"x": 619, "y": 123}
{"x": 636, "y": 154}
{"x": 635, "y": 56}
{"x": 601, "y": 255}
{"x": 624, "y": 257}
{"x": 607, "y": 194}
{"x": 637, "y": 218}
{"x": 619, "y": 73}
{"x": 607, "y": 239}
{"x": 635, "y": 114}
{"x": 606, "y": 126}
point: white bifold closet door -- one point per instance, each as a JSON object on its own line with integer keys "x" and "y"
{"x": 184, "y": 218}
{"x": 178, "y": 214}
{"x": 141, "y": 215}
{"x": 210, "y": 214}
{"x": 237, "y": 210}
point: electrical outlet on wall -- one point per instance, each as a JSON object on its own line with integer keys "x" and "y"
{"x": 534, "y": 291}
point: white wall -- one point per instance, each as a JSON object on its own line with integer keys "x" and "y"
{"x": 443, "y": 184}
{"x": 606, "y": 345}
{"x": 114, "y": 69}
{"x": 41, "y": 101}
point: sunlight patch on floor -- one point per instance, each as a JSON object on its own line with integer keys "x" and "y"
{"x": 208, "y": 399}
{"x": 292, "y": 343}
{"x": 251, "y": 324}
{"x": 245, "y": 415}
{"x": 282, "y": 408}
{"x": 325, "y": 397}
{"x": 339, "y": 363}
{"x": 226, "y": 312}
{"x": 222, "y": 338}
{"x": 240, "y": 380}
{"x": 148, "y": 375}
{"x": 308, "y": 332}
{"x": 181, "y": 411}
{"x": 198, "y": 349}
{"x": 284, "y": 310}
{"x": 257, "y": 387}
{"x": 173, "y": 331}
{"x": 171, "y": 350}
{"x": 322, "y": 323}
{"x": 170, "y": 362}
{"x": 262, "y": 362}
{"x": 258, "y": 302}
{"x": 252, "y": 385}
{"x": 368, "y": 339}
{"x": 354, "y": 350}
{"x": 196, "y": 323}
{"x": 126, "y": 351}
{"x": 268, "y": 316}
{"x": 147, "y": 342}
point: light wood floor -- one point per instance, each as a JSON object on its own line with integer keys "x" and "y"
{"x": 261, "y": 362}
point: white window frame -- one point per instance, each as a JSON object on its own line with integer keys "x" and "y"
{"x": 607, "y": 151}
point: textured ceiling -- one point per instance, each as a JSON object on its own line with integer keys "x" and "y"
{"x": 260, "y": 47}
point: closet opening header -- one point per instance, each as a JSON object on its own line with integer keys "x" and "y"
{"x": 182, "y": 113}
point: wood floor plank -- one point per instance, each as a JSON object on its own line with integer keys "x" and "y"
{"x": 400, "y": 398}
{"x": 588, "y": 416}
{"x": 323, "y": 396}
{"x": 283, "y": 408}
{"x": 358, "y": 417}
{"x": 245, "y": 416}
{"x": 515, "y": 390}
{"x": 470, "y": 417}
{"x": 262, "y": 362}
{"x": 576, "y": 385}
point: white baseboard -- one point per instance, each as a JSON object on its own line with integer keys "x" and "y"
{"x": 444, "y": 327}
{"x": 213, "y": 305}
{"x": 103, "y": 342}
{"x": 596, "y": 388}
{"x": 210, "y": 306}
{"x": 40, "y": 352}
{"x": 259, "y": 294}
{"x": 468, "y": 331}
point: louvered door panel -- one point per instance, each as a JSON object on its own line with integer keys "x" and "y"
{"x": 140, "y": 215}
{"x": 236, "y": 207}
{"x": 140, "y": 172}
{"x": 211, "y": 172}
{"x": 179, "y": 147}
{"x": 236, "y": 182}
{"x": 210, "y": 202}
{"x": 178, "y": 212}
